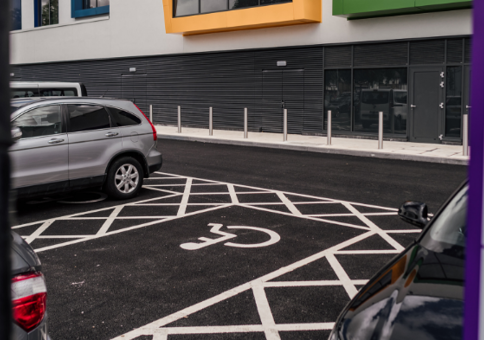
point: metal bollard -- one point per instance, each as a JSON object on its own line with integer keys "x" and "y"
{"x": 284, "y": 137}
{"x": 329, "y": 127}
{"x": 151, "y": 113}
{"x": 210, "y": 122}
{"x": 465, "y": 134}
{"x": 246, "y": 132}
{"x": 179, "y": 119}
{"x": 380, "y": 130}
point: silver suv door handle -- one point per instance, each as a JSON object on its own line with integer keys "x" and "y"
{"x": 111, "y": 134}
{"x": 413, "y": 106}
{"x": 56, "y": 140}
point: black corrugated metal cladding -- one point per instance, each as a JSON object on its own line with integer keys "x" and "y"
{"x": 231, "y": 81}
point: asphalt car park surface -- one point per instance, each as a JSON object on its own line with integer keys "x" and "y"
{"x": 227, "y": 243}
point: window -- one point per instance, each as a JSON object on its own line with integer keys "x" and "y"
{"x": 453, "y": 101}
{"x": 87, "y": 117}
{"x": 191, "y": 7}
{"x": 337, "y": 99}
{"x": 43, "y": 121}
{"x": 25, "y": 93}
{"x": 380, "y": 90}
{"x": 46, "y": 12}
{"x": 58, "y": 92}
{"x": 86, "y": 4}
{"x": 85, "y": 8}
{"x": 16, "y": 14}
{"x": 123, "y": 118}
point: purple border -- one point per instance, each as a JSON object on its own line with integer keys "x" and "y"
{"x": 476, "y": 173}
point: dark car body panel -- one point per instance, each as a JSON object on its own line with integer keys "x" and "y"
{"x": 418, "y": 295}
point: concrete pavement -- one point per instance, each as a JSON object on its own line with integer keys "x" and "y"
{"x": 434, "y": 153}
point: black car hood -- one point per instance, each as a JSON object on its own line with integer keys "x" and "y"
{"x": 417, "y": 296}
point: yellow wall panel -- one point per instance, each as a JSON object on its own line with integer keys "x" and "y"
{"x": 296, "y": 12}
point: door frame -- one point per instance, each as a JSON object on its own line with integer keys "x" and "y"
{"x": 441, "y": 118}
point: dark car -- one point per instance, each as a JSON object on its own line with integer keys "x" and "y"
{"x": 29, "y": 293}
{"x": 419, "y": 294}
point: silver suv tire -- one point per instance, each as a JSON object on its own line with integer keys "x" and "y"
{"x": 125, "y": 178}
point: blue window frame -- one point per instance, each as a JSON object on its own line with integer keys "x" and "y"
{"x": 87, "y": 8}
{"x": 16, "y": 14}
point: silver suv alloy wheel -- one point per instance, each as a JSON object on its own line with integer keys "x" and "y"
{"x": 126, "y": 178}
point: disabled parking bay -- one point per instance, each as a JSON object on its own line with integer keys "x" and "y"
{"x": 201, "y": 259}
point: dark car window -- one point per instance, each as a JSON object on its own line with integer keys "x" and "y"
{"x": 87, "y": 117}
{"x": 123, "y": 118}
{"x": 25, "y": 93}
{"x": 449, "y": 227}
{"x": 52, "y": 92}
{"x": 43, "y": 121}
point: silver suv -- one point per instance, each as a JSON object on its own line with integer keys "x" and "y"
{"x": 65, "y": 144}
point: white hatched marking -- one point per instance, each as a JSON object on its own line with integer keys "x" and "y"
{"x": 310, "y": 283}
{"x": 109, "y": 221}
{"x": 186, "y": 196}
{"x": 264, "y": 310}
{"x": 233, "y": 195}
{"x": 347, "y": 283}
{"x": 39, "y": 231}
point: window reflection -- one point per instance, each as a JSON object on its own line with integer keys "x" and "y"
{"x": 185, "y": 7}
{"x": 94, "y": 3}
{"x": 337, "y": 99}
{"x": 49, "y": 12}
{"x": 378, "y": 90}
{"x": 453, "y": 101}
{"x": 16, "y": 14}
{"x": 234, "y": 4}
{"x": 191, "y": 7}
{"x": 207, "y": 6}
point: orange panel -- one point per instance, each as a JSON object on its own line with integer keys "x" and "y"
{"x": 296, "y": 12}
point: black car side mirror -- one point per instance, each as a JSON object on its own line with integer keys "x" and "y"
{"x": 415, "y": 213}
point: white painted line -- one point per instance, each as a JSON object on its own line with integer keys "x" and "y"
{"x": 363, "y": 252}
{"x": 186, "y": 196}
{"x": 292, "y": 208}
{"x": 239, "y": 289}
{"x": 404, "y": 231}
{"x": 61, "y": 236}
{"x": 374, "y": 227}
{"x": 233, "y": 195}
{"x": 310, "y": 283}
{"x": 348, "y": 284}
{"x": 39, "y": 231}
{"x": 109, "y": 221}
{"x": 264, "y": 310}
{"x": 60, "y": 245}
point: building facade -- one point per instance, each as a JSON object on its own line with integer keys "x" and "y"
{"x": 407, "y": 58}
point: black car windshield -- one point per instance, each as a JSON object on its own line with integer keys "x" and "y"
{"x": 449, "y": 227}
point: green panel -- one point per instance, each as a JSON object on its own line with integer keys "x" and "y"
{"x": 360, "y": 6}
{"x": 359, "y": 9}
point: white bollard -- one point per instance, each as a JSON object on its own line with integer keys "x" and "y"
{"x": 246, "y": 131}
{"x": 380, "y": 130}
{"x": 465, "y": 134}
{"x": 284, "y": 136}
{"x": 210, "y": 122}
{"x": 179, "y": 119}
{"x": 151, "y": 113}
{"x": 329, "y": 127}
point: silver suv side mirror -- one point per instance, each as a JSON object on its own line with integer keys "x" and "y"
{"x": 16, "y": 133}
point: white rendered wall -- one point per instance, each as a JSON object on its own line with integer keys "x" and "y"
{"x": 137, "y": 28}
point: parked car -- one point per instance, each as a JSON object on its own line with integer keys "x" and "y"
{"x": 29, "y": 293}
{"x": 27, "y": 89}
{"x": 419, "y": 294}
{"x": 66, "y": 144}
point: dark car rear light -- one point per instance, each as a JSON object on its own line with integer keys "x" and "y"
{"x": 29, "y": 297}
{"x": 155, "y": 136}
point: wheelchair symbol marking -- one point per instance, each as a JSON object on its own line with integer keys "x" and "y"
{"x": 274, "y": 238}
